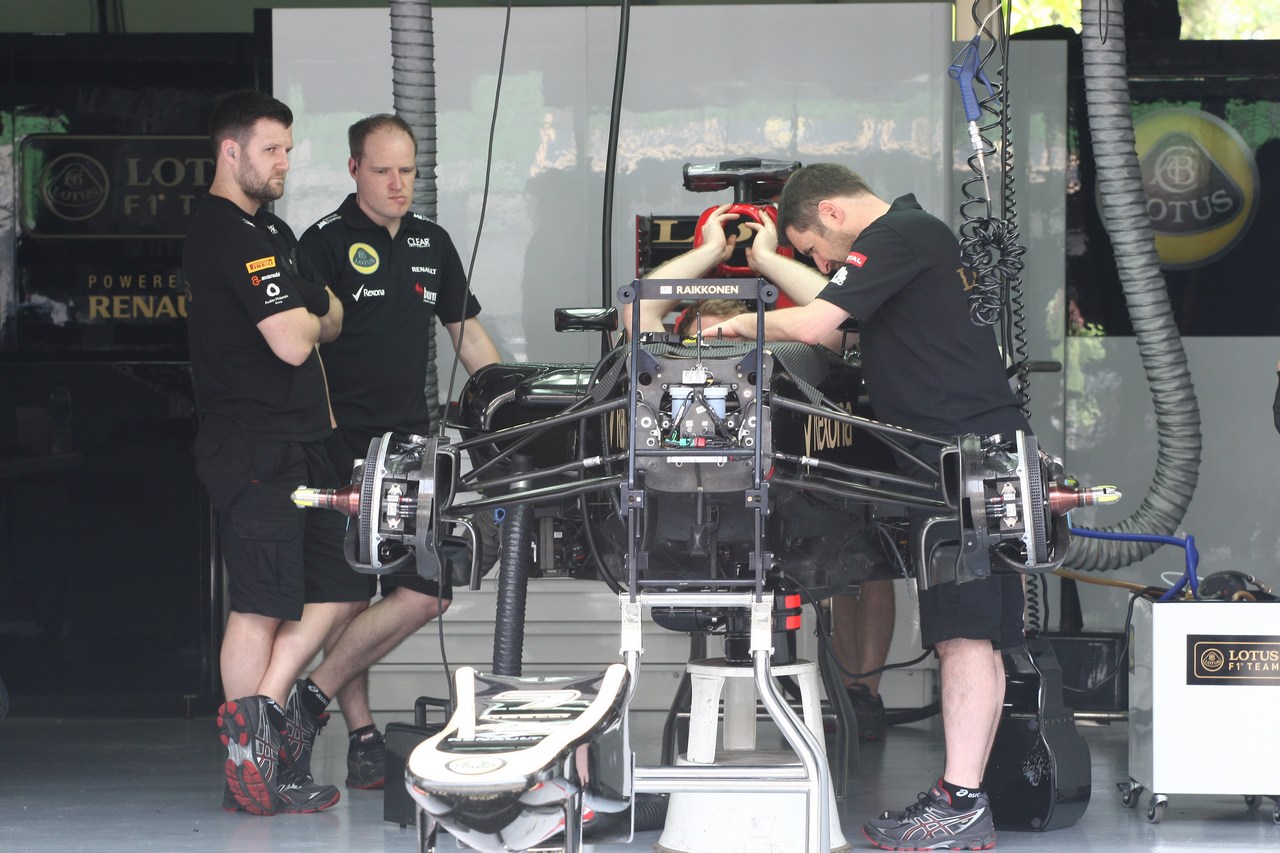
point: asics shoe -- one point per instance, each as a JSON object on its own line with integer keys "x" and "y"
{"x": 366, "y": 761}
{"x": 869, "y": 712}
{"x": 298, "y": 794}
{"x": 933, "y": 823}
{"x": 300, "y": 733}
{"x": 253, "y": 754}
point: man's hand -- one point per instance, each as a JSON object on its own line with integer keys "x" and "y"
{"x": 331, "y": 322}
{"x": 730, "y": 328}
{"x": 765, "y": 241}
{"x": 714, "y": 238}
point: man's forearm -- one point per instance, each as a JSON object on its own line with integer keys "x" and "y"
{"x": 800, "y": 282}
{"x": 331, "y": 321}
{"x": 694, "y": 263}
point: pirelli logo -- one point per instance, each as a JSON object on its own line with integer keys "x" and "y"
{"x": 260, "y": 264}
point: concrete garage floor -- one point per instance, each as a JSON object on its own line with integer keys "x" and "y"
{"x": 118, "y": 786}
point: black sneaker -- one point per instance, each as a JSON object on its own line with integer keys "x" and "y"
{"x": 253, "y": 753}
{"x": 301, "y": 731}
{"x": 298, "y": 794}
{"x": 932, "y": 823}
{"x": 869, "y": 712}
{"x": 367, "y": 761}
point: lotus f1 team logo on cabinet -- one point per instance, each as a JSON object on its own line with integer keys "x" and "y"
{"x": 1235, "y": 660}
{"x": 1201, "y": 184}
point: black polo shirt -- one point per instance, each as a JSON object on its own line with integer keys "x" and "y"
{"x": 391, "y": 291}
{"x": 239, "y": 270}
{"x": 926, "y": 365}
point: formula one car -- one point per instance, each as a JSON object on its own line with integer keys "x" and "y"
{"x": 696, "y": 477}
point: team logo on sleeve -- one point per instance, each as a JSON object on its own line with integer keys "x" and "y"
{"x": 856, "y": 258}
{"x": 839, "y": 277}
{"x": 363, "y": 257}
{"x": 260, "y": 264}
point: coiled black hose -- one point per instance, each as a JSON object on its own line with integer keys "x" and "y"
{"x": 989, "y": 239}
{"x": 413, "y": 90}
{"x": 1124, "y": 212}
{"x": 514, "y": 568}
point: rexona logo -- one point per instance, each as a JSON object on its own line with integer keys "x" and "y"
{"x": 364, "y": 259}
{"x": 1201, "y": 184}
{"x": 367, "y": 291}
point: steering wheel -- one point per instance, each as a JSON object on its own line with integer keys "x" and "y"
{"x": 736, "y": 265}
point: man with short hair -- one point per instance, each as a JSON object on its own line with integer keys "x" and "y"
{"x": 396, "y": 273}
{"x": 254, "y": 323}
{"x": 927, "y": 368}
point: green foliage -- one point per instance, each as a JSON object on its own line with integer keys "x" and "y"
{"x": 1044, "y": 13}
{"x": 1201, "y": 19}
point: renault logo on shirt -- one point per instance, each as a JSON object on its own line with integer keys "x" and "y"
{"x": 427, "y": 270}
{"x": 363, "y": 257}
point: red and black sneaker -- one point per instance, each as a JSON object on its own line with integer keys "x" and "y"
{"x": 253, "y": 754}
{"x": 301, "y": 728}
{"x": 297, "y": 794}
{"x": 259, "y": 781}
{"x": 932, "y": 822}
{"x": 367, "y": 761}
{"x": 869, "y": 712}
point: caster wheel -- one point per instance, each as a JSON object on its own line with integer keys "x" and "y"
{"x": 1129, "y": 796}
{"x": 1155, "y": 812}
{"x": 1252, "y": 801}
{"x": 1275, "y": 813}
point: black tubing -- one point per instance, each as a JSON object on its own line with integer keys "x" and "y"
{"x": 515, "y": 565}
{"x": 1124, "y": 211}
{"x": 413, "y": 92}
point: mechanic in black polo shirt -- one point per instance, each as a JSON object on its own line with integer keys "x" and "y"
{"x": 254, "y": 323}
{"x": 927, "y": 368}
{"x": 395, "y": 272}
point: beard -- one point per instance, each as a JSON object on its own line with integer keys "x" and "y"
{"x": 255, "y": 186}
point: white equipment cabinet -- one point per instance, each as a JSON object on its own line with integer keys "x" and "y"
{"x": 1199, "y": 673}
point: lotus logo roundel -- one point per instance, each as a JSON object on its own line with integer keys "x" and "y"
{"x": 364, "y": 259}
{"x": 74, "y": 186}
{"x": 1201, "y": 184}
{"x": 1212, "y": 660}
{"x": 475, "y": 765}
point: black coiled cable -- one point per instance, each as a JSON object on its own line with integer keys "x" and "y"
{"x": 1034, "y": 620}
{"x": 989, "y": 246}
